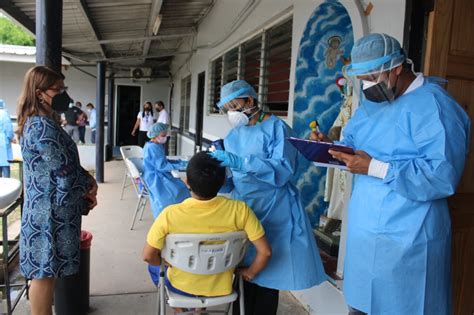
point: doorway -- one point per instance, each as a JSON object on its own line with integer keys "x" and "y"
{"x": 128, "y": 106}
{"x": 200, "y": 109}
{"x": 446, "y": 51}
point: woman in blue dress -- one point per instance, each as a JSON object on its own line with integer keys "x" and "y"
{"x": 263, "y": 164}
{"x": 57, "y": 189}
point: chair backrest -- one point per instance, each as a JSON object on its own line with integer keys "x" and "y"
{"x": 136, "y": 169}
{"x": 205, "y": 254}
{"x": 135, "y": 166}
{"x": 129, "y": 151}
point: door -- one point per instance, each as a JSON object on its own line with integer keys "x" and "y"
{"x": 200, "y": 109}
{"x": 450, "y": 54}
{"x": 128, "y": 106}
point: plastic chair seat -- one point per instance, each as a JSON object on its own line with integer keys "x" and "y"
{"x": 177, "y": 300}
{"x": 10, "y": 190}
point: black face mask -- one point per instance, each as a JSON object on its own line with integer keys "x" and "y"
{"x": 379, "y": 93}
{"x": 60, "y": 102}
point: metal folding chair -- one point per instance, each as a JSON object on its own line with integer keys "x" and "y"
{"x": 203, "y": 254}
{"x": 130, "y": 151}
{"x": 135, "y": 167}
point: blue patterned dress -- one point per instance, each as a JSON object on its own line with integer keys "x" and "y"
{"x": 54, "y": 185}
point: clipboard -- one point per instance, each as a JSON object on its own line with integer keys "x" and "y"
{"x": 317, "y": 152}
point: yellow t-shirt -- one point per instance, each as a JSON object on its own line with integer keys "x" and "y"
{"x": 218, "y": 215}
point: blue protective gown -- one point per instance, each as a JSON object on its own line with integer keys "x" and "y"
{"x": 6, "y": 136}
{"x": 265, "y": 184}
{"x": 398, "y": 255}
{"x": 164, "y": 189}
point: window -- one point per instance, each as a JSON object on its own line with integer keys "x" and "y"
{"x": 277, "y": 69}
{"x": 264, "y": 61}
{"x": 215, "y": 84}
{"x": 251, "y": 54}
{"x": 185, "y": 105}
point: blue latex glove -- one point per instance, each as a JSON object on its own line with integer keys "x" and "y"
{"x": 228, "y": 159}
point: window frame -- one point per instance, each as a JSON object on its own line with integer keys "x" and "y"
{"x": 216, "y": 81}
{"x": 185, "y": 104}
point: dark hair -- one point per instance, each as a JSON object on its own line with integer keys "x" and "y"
{"x": 205, "y": 175}
{"x": 151, "y": 107}
{"x": 90, "y": 105}
{"x": 160, "y": 103}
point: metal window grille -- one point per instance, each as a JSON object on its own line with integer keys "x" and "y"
{"x": 277, "y": 64}
{"x": 251, "y": 56}
{"x": 263, "y": 61}
{"x": 185, "y": 104}
{"x": 215, "y": 84}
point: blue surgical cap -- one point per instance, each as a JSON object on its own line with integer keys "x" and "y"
{"x": 156, "y": 129}
{"x": 236, "y": 89}
{"x": 375, "y": 53}
{"x": 2, "y": 104}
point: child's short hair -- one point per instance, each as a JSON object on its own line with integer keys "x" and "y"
{"x": 205, "y": 175}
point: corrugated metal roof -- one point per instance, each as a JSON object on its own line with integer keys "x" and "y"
{"x": 120, "y": 31}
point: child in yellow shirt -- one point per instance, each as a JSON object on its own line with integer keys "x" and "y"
{"x": 206, "y": 213}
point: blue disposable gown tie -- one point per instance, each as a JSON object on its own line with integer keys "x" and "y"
{"x": 265, "y": 184}
{"x": 164, "y": 189}
{"x": 398, "y": 256}
{"x": 6, "y": 136}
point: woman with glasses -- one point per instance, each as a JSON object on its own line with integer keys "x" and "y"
{"x": 57, "y": 189}
{"x": 263, "y": 164}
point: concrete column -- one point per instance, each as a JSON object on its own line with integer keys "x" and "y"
{"x": 110, "y": 117}
{"x": 100, "y": 112}
{"x": 49, "y": 28}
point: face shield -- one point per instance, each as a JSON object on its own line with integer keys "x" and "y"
{"x": 375, "y": 76}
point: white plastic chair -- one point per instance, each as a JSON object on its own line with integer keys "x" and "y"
{"x": 130, "y": 151}
{"x": 203, "y": 254}
{"x": 135, "y": 167}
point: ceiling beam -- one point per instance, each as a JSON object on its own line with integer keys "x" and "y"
{"x": 167, "y": 53}
{"x": 131, "y": 39}
{"x": 18, "y": 15}
{"x": 93, "y": 27}
{"x": 155, "y": 11}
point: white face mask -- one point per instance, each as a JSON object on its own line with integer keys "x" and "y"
{"x": 237, "y": 119}
{"x": 161, "y": 140}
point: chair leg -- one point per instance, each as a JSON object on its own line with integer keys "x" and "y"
{"x": 241, "y": 296}
{"x": 143, "y": 209}
{"x": 136, "y": 212}
{"x": 161, "y": 292}
{"x": 123, "y": 184}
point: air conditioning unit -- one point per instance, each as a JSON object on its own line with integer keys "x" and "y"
{"x": 141, "y": 74}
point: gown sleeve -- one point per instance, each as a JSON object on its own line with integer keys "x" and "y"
{"x": 279, "y": 167}
{"x": 155, "y": 155}
{"x": 436, "y": 170}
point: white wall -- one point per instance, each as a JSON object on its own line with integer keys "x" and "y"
{"x": 387, "y": 16}
{"x": 82, "y": 87}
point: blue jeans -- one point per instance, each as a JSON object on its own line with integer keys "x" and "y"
{"x": 155, "y": 277}
{"x": 4, "y": 171}
{"x": 93, "y": 136}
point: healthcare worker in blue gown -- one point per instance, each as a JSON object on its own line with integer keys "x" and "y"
{"x": 6, "y": 137}
{"x": 164, "y": 189}
{"x": 413, "y": 140}
{"x": 263, "y": 165}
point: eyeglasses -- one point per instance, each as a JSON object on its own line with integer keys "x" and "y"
{"x": 60, "y": 90}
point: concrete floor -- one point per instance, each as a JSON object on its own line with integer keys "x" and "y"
{"x": 119, "y": 279}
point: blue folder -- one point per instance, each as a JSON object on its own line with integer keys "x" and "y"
{"x": 317, "y": 152}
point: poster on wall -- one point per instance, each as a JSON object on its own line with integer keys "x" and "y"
{"x": 324, "y": 49}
